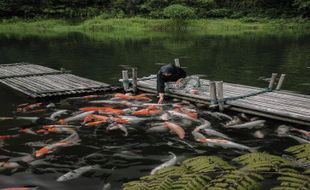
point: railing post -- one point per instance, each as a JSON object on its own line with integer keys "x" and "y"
{"x": 177, "y": 62}
{"x": 280, "y": 82}
{"x": 220, "y": 95}
{"x": 272, "y": 80}
{"x": 134, "y": 80}
{"x": 125, "y": 80}
{"x": 213, "y": 99}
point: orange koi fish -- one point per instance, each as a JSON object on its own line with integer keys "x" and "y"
{"x": 94, "y": 123}
{"x": 189, "y": 112}
{"x": 151, "y": 110}
{"x": 103, "y": 109}
{"x": 176, "y": 129}
{"x": 28, "y": 131}
{"x": 131, "y": 97}
{"x": 29, "y": 107}
{"x": 91, "y": 96}
{"x": 7, "y": 136}
{"x": 19, "y": 188}
{"x": 96, "y": 118}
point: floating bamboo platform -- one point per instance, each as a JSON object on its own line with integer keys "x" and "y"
{"x": 38, "y": 81}
{"x": 280, "y": 105}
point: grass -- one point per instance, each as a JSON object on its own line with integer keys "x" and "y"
{"x": 138, "y": 28}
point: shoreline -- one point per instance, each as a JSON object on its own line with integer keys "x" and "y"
{"x": 137, "y": 27}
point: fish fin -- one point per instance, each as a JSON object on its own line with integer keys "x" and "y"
{"x": 210, "y": 145}
{"x": 254, "y": 149}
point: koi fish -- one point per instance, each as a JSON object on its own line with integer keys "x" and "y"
{"x": 212, "y": 132}
{"x": 176, "y": 129}
{"x": 28, "y": 131}
{"x": 235, "y": 121}
{"x": 166, "y": 164}
{"x": 59, "y": 126}
{"x": 157, "y": 129}
{"x": 31, "y": 119}
{"x": 103, "y": 109}
{"x": 77, "y": 173}
{"x": 7, "y": 136}
{"x": 218, "y": 115}
{"x": 60, "y": 130}
{"x": 305, "y": 133}
{"x": 28, "y": 107}
{"x": 114, "y": 126}
{"x": 95, "y": 118}
{"x": 190, "y": 112}
{"x": 128, "y": 119}
{"x": 206, "y": 124}
{"x": 113, "y": 102}
{"x": 94, "y": 123}
{"x": 131, "y": 97}
{"x": 8, "y": 165}
{"x": 182, "y": 115}
{"x": 57, "y": 114}
{"x": 77, "y": 117}
{"x": 19, "y": 188}
{"x": 151, "y": 110}
{"x": 69, "y": 141}
{"x": 225, "y": 144}
{"x": 198, "y": 135}
{"x": 298, "y": 139}
{"x": 249, "y": 125}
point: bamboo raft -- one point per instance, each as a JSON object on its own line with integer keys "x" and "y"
{"x": 280, "y": 105}
{"x": 38, "y": 81}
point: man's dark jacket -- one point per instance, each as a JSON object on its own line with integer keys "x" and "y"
{"x": 176, "y": 72}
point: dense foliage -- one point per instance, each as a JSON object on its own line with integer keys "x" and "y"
{"x": 154, "y": 8}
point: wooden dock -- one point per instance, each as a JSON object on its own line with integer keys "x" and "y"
{"x": 280, "y": 105}
{"x": 38, "y": 81}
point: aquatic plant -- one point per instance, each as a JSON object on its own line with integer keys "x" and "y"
{"x": 239, "y": 180}
{"x": 301, "y": 152}
{"x": 292, "y": 180}
{"x": 207, "y": 164}
{"x": 243, "y": 173}
{"x": 261, "y": 162}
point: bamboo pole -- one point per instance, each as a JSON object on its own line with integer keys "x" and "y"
{"x": 280, "y": 82}
{"x": 134, "y": 80}
{"x": 272, "y": 80}
{"x": 220, "y": 95}
{"x": 125, "y": 80}
{"x": 212, "y": 89}
{"x": 177, "y": 62}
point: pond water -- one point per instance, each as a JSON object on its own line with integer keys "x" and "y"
{"x": 245, "y": 59}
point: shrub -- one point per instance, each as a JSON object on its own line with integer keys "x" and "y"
{"x": 303, "y": 7}
{"x": 219, "y": 13}
{"x": 177, "y": 11}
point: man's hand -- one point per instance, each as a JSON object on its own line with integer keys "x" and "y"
{"x": 161, "y": 98}
{"x": 179, "y": 82}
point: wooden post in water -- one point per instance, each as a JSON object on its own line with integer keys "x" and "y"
{"x": 220, "y": 95}
{"x": 280, "y": 82}
{"x": 272, "y": 80}
{"x": 177, "y": 62}
{"x": 212, "y": 89}
{"x": 134, "y": 80}
{"x": 125, "y": 80}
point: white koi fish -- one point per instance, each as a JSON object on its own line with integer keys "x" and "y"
{"x": 168, "y": 163}
{"x": 77, "y": 173}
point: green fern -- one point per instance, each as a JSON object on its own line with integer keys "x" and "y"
{"x": 293, "y": 180}
{"x": 191, "y": 182}
{"x": 206, "y": 164}
{"x": 261, "y": 162}
{"x": 236, "y": 179}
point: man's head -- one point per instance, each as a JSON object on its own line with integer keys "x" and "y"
{"x": 167, "y": 70}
